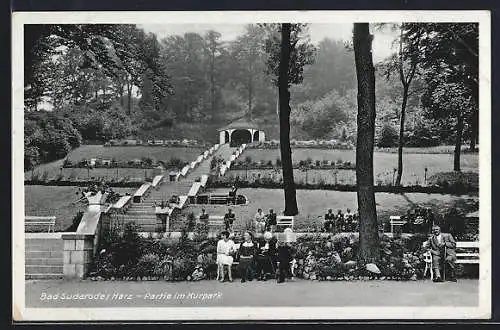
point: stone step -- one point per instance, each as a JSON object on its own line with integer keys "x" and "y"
{"x": 43, "y": 242}
{"x": 44, "y": 269}
{"x": 42, "y": 246}
{"x": 44, "y": 261}
{"x": 141, "y": 211}
{"x": 44, "y": 254}
{"x": 43, "y": 276}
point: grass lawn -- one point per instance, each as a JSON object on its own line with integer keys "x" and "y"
{"x": 313, "y": 204}
{"x": 57, "y": 201}
{"x": 120, "y": 153}
{"x": 414, "y": 164}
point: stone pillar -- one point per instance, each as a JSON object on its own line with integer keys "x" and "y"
{"x": 78, "y": 252}
{"x": 222, "y": 137}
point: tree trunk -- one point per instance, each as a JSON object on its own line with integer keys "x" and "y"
{"x": 129, "y": 98}
{"x": 474, "y": 131}
{"x": 369, "y": 250}
{"x": 401, "y": 135}
{"x": 458, "y": 142}
{"x": 284, "y": 115}
{"x": 212, "y": 82}
{"x": 250, "y": 96}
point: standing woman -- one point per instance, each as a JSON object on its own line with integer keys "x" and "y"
{"x": 225, "y": 249}
{"x": 247, "y": 252}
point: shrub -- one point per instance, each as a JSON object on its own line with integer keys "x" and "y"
{"x": 388, "y": 137}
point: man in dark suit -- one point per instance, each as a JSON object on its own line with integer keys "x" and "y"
{"x": 442, "y": 247}
{"x": 228, "y": 220}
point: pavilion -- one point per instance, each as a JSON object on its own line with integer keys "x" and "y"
{"x": 241, "y": 131}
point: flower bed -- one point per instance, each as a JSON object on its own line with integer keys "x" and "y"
{"x": 128, "y": 256}
{"x": 311, "y": 144}
{"x": 273, "y": 183}
{"x": 83, "y": 183}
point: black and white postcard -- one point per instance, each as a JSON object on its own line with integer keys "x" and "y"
{"x": 312, "y": 165}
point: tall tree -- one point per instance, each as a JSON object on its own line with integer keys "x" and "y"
{"x": 365, "y": 72}
{"x": 405, "y": 63}
{"x": 450, "y": 52}
{"x": 248, "y": 54}
{"x": 287, "y": 65}
{"x": 213, "y": 52}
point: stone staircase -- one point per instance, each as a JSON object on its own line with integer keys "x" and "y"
{"x": 143, "y": 214}
{"x": 43, "y": 256}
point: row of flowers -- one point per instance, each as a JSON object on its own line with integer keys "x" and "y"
{"x": 310, "y": 144}
{"x": 277, "y": 183}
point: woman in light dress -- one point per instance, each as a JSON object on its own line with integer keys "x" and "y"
{"x": 225, "y": 250}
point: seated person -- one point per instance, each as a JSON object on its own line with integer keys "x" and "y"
{"x": 442, "y": 247}
{"x": 225, "y": 250}
{"x": 329, "y": 223}
{"x": 266, "y": 257}
{"x": 228, "y": 220}
{"x": 232, "y": 194}
{"x": 271, "y": 221}
{"x": 204, "y": 216}
{"x": 259, "y": 221}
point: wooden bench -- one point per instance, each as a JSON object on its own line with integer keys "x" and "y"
{"x": 284, "y": 221}
{"x": 214, "y": 221}
{"x": 40, "y": 221}
{"x": 470, "y": 255}
{"x": 217, "y": 199}
{"x": 395, "y": 220}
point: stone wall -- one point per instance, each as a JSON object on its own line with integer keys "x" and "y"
{"x": 77, "y": 254}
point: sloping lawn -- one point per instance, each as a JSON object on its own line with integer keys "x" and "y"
{"x": 120, "y": 153}
{"x": 313, "y": 204}
{"x": 57, "y": 201}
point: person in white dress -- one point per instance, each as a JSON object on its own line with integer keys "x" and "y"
{"x": 225, "y": 250}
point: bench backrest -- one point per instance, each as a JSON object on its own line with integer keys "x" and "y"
{"x": 39, "y": 220}
{"x": 284, "y": 220}
{"x": 468, "y": 245}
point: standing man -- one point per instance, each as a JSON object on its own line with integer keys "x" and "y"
{"x": 442, "y": 247}
{"x": 340, "y": 221}
{"x": 271, "y": 221}
{"x": 329, "y": 223}
{"x": 228, "y": 220}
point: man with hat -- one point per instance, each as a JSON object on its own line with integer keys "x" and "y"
{"x": 442, "y": 247}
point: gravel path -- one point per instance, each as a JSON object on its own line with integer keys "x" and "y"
{"x": 293, "y": 293}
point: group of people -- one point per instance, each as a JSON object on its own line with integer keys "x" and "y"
{"x": 260, "y": 259}
{"x": 340, "y": 222}
{"x": 229, "y": 218}
{"x": 261, "y": 222}
{"x": 265, "y": 222}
